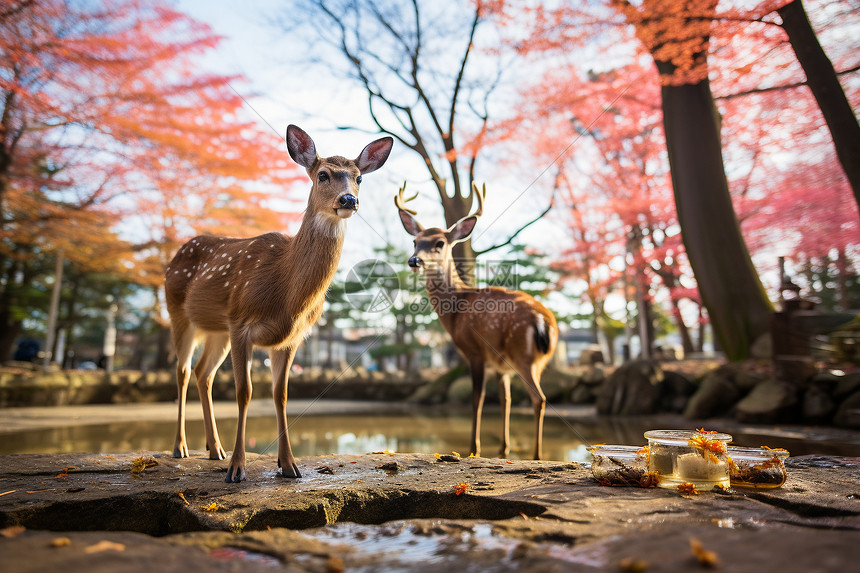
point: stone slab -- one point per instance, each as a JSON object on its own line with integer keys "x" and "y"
{"x": 403, "y": 512}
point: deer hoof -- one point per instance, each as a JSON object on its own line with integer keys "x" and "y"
{"x": 216, "y": 453}
{"x": 291, "y": 473}
{"x": 180, "y": 451}
{"x": 235, "y": 475}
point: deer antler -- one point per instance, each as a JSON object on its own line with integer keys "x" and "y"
{"x": 400, "y": 201}
{"x": 480, "y": 195}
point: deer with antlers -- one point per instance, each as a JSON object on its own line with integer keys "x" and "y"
{"x": 267, "y": 291}
{"x": 495, "y": 329}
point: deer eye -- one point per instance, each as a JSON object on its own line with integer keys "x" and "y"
{"x": 323, "y": 177}
{"x": 440, "y": 244}
{"x": 358, "y": 180}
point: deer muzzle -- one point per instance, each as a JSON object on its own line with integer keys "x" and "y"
{"x": 416, "y": 263}
{"x": 348, "y": 206}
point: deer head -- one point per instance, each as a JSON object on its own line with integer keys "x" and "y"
{"x": 335, "y": 179}
{"x": 433, "y": 246}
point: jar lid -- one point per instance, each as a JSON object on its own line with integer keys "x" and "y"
{"x": 763, "y": 452}
{"x": 683, "y": 436}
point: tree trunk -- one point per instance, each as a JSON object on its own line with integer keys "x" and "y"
{"x": 824, "y": 84}
{"x": 731, "y": 290}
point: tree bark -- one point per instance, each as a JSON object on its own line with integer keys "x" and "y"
{"x": 824, "y": 83}
{"x": 737, "y": 304}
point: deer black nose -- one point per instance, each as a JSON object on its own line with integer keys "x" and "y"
{"x": 349, "y": 202}
{"x": 416, "y": 262}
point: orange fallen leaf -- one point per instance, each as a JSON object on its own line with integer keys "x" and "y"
{"x": 456, "y": 454}
{"x": 509, "y": 461}
{"x": 460, "y": 488}
{"x": 60, "y": 542}
{"x": 182, "y": 496}
{"x": 688, "y": 488}
{"x": 104, "y": 545}
{"x": 8, "y": 492}
{"x": 705, "y": 557}
{"x": 438, "y": 456}
{"x": 211, "y": 507}
{"x": 12, "y": 531}
{"x": 633, "y": 565}
{"x": 140, "y": 464}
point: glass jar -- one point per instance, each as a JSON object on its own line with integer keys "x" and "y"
{"x": 622, "y": 466}
{"x": 757, "y": 467}
{"x": 685, "y": 456}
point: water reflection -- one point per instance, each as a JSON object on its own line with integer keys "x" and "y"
{"x": 311, "y": 435}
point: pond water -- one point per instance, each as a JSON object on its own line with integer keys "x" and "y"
{"x": 567, "y": 433}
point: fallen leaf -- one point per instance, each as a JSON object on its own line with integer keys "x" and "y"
{"x": 456, "y": 454}
{"x": 688, "y": 488}
{"x": 60, "y": 542}
{"x": 140, "y": 464}
{"x": 705, "y": 557}
{"x": 211, "y": 507}
{"x": 437, "y": 456}
{"x": 460, "y": 488}
{"x": 633, "y": 565}
{"x": 104, "y": 545}
{"x": 12, "y": 531}
{"x": 508, "y": 461}
{"x": 182, "y": 496}
{"x": 8, "y": 492}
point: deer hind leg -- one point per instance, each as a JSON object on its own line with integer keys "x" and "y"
{"x": 183, "y": 343}
{"x": 214, "y": 352}
{"x": 281, "y": 362}
{"x": 530, "y": 373}
{"x": 240, "y": 353}
{"x": 505, "y": 404}
{"x": 476, "y": 368}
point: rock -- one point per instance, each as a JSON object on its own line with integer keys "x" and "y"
{"x": 634, "y": 388}
{"x": 848, "y": 414}
{"x": 714, "y": 397}
{"x": 460, "y": 391}
{"x": 677, "y": 390}
{"x": 818, "y": 406}
{"x": 180, "y": 517}
{"x": 847, "y": 385}
{"x": 594, "y": 375}
{"x": 582, "y": 394}
{"x": 770, "y": 402}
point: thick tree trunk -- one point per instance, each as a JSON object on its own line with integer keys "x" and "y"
{"x": 824, "y": 84}
{"x": 738, "y": 307}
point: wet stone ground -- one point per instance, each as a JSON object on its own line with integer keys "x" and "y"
{"x": 410, "y": 512}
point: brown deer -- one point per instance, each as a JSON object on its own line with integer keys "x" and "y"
{"x": 267, "y": 291}
{"x": 494, "y": 328}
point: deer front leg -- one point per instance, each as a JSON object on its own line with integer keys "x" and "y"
{"x": 505, "y": 405}
{"x": 216, "y": 349}
{"x": 240, "y": 353}
{"x": 183, "y": 342}
{"x": 281, "y": 362}
{"x": 476, "y": 367}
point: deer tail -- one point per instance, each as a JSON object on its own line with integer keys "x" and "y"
{"x": 543, "y": 334}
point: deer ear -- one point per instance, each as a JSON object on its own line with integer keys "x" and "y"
{"x": 301, "y": 147}
{"x": 373, "y": 156}
{"x": 412, "y": 226}
{"x": 461, "y": 230}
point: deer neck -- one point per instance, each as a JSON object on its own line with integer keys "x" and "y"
{"x": 315, "y": 250}
{"x": 445, "y": 288}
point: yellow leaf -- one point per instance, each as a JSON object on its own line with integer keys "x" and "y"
{"x": 60, "y": 542}
{"x": 211, "y": 507}
{"x": 104, "y": 545}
